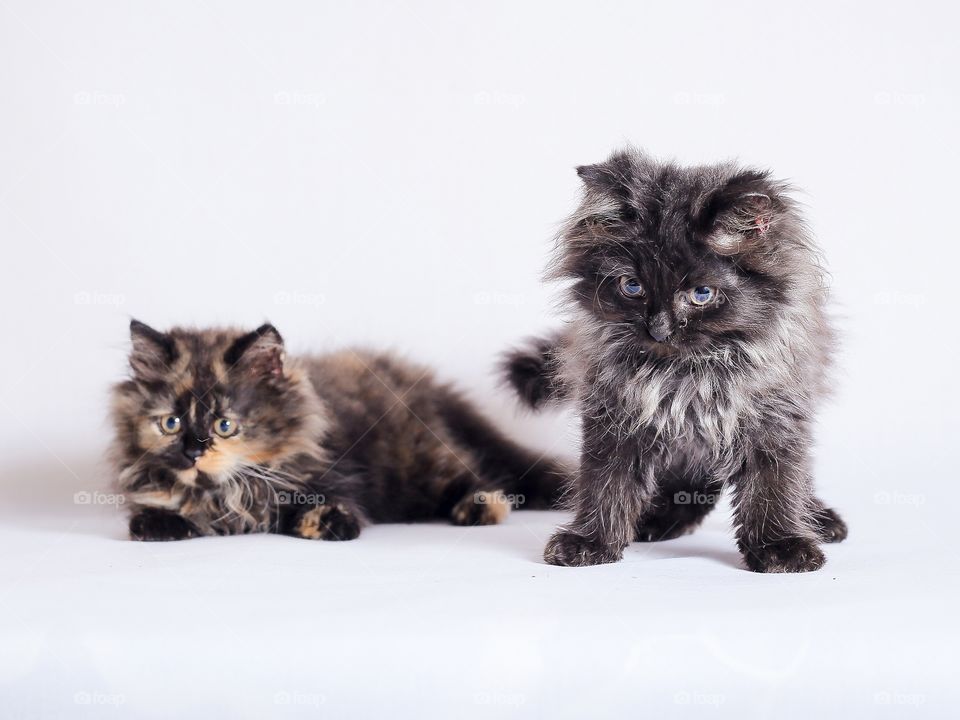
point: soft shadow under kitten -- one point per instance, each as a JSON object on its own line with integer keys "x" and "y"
{"x": 217, "y": 433}
{"x": 697, "y": 355}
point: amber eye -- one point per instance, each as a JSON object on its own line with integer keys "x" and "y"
{"x": 630, "y": 287}
{"x": 169, "y": 424}
{"x": 225, "y": 427}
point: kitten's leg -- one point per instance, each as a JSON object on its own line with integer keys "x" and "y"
{"x": 772, "y": 505}
{"x": 481, "y": 507}
{"x": 676, "y": 510}
{"x": 828, "y": 523}
{"x": 608, "y": 497}
{"x": 152, "y": 524}
{"x": 331, "y": 520}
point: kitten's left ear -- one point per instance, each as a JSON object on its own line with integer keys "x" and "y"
{"x": 736, "y": 218}
{"x": 259, "y": 353}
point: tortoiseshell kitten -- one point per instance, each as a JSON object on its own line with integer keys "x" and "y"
{"x": 218, "y": 433}
{"x": 697, "y": 357}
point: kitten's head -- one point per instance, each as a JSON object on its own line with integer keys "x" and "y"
{"x": 205, "y": 405}
{"x": 677, "y": 261}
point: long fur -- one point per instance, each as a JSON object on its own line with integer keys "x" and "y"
{"x": 325, "y": 444}
{"x": 727, "y": 399}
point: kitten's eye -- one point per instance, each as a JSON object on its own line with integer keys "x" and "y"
{"x": 225, "y": 427}
{"x": 630, "y": 287}
{"x": 702, "y": 295}
{"x": 169, "y": 424}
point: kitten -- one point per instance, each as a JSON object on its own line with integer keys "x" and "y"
{"x": 217, "y": 433}
{"x": 697, "y": 356}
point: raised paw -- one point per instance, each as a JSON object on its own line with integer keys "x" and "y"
{"x": 830, "y": 526}
{"x": 160, "y": 525}
{"x": 328, "y": 522}
{"x": 484, "y": 507}
{"x": 790, "y": 555}
{"x": 569, "y": 549}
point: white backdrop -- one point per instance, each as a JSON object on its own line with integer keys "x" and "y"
{"x": 392, "y": 174}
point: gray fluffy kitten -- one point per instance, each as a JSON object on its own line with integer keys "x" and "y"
{"x": 697, "y": 357}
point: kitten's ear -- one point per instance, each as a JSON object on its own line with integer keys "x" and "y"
{"x": 736, "y": 218}
{"x": 259, "y": 354}
{"x": 611, "y": 177}
{"x": 152, "y": 351}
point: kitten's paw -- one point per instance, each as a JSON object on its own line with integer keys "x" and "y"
{"x": 572, "y": 550}
{"x": 484, "y": 507}
{"x": 830, "y": 526}
{"x": 791, "y": 555}
{"x": 328, "y": 522}
{"x": 160, "y": 525}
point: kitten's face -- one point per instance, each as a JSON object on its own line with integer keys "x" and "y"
{"x": 206, "y": 405}
{"x": 660, "y": 255}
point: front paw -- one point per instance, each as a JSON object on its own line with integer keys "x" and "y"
{"x": 328, "y": 522}
{"x": 791, "y": 555}
{"x": 830, "y": 526}
{"x": 160, "y": 525}
{"x": 569, "y": 549}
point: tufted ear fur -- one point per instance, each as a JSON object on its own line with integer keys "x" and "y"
{"x": 736, "y": 217}
{"x": 259, "y": 354}
{"x": 152, "y": 351}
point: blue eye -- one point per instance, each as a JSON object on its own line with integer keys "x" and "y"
{"x": 170, "y": 424}
{"x": 631, "y": 287}
{"x": 702, "y": 295}
{"x": 225, "y": 427}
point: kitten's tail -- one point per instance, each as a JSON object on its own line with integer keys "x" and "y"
{"x": 533, "y": 371}
{"x": 537, "y": 482}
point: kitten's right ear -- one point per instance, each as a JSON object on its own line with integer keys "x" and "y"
{"x": 258, "y": 354}
{"x": 152, "y": 351}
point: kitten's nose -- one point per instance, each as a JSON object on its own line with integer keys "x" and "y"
{"x": 193, "y": 451}
{"x": 659, "y": 326}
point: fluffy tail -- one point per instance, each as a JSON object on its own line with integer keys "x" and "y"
{"x": 536, "y": 481}
{"x": 533, "y": 371}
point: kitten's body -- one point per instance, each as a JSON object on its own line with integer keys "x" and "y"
{"x": 680, "y": 400}
{"x": 325, "y": 444}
